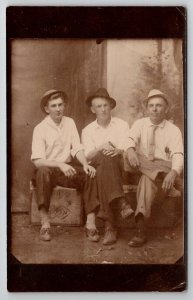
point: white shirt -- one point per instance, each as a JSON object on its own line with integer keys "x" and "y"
{"x": 168, "y": 141}
{"x": 54, "y": 142}
{"x": 94, "y": 135}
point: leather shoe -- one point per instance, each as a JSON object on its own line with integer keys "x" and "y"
{"x": 110, "y": 236}
{"x": 45, "y": 234}
{"x": 92, "y": 235}
{"x": 137, "y": 241}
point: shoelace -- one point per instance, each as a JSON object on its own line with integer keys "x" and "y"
{"x": 45, "y": 230}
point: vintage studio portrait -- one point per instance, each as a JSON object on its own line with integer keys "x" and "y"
{"x": 97, "y": 143}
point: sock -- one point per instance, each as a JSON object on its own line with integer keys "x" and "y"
{"x": 140, "y": 223}
{"x": 109, "y": 225}
{"x": 44, "y": 218}
{"x": 90, "y": 222}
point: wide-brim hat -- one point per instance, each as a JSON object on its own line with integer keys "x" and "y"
{"x": 102, "y": 93}
{"x": 48, "y": 94}
{"x": 156, "y": 93}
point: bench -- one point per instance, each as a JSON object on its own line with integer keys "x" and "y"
{"x": 66, "y": 208}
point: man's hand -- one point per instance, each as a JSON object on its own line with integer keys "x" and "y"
{"x": 89, "y": 170}
{"x": 112, "y": 153}
{"x": 106, "y": 147}
{"x": 109, "y": 149}
{"x": 67, "y": 170}
{"x": 169, "y": 180}
{"x": 132, "y": 158}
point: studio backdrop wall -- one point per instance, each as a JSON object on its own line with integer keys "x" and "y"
{"x": 127, "y": 68}
{"x": 37, "y": 65}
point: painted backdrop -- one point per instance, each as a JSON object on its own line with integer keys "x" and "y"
{"x": 127, "y": 68}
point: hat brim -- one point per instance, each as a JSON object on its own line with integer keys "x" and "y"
{"x": 111, "y": 100}
{"x": 153, "y": 96}
{"x": 44, "y": 99}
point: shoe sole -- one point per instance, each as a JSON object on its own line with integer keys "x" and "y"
{"x": 94, "y": 241}
{"x": 45, "y": 240}
{"x": 109, "y": 243}
{"x": 136, "y": 244}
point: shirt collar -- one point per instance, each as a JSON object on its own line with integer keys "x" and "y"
{"x": 96, "y": 125}
{"x": 49, "y": 121}
{"x": 161, "y": 125}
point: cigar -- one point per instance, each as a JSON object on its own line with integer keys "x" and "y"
{"x": 111, "y": 144}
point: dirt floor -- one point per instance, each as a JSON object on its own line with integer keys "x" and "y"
{"x": 70, "y": 246}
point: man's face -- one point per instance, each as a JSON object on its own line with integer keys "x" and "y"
{"x": 102, "y": 108}
{"x": 55, "y": 108}
{"x": 157, "y": 109}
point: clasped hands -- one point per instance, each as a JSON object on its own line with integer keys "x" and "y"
{"x": 109, "y": 149}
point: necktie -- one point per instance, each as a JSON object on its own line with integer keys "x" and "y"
{"x": 151, "y": 152}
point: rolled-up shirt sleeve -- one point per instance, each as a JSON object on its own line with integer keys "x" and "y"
{"x": 177, "y": 163}
{"x": 76, "y": 145}
{"x": 176, "y": 151}
{"x": 38, "y": 145}
{"x": 87, "y": 142}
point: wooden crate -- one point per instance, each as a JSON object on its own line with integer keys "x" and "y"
{"x": 65, "y": 207}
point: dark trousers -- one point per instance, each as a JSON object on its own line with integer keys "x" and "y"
{"x": 109, "y": 186}
{"x": 47, "y": 178}
{"x": 97, "y": 192}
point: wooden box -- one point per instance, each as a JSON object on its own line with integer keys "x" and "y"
{"x": 65, "y": 207}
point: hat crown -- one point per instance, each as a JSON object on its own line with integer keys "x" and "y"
{"x": 155, "y": 92}
{"x": 49, "y": 92}
{"x": 102, "y": 92}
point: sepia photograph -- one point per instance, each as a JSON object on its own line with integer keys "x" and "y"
{"x": 97, "y": 152}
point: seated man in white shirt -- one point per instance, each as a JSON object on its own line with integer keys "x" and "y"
{"x": 104, "y": 141}
{"x": 156, "y": 151}
{"x": 55, "y": 142}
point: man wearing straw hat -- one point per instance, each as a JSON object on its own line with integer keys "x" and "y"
{"x": 58, "y": 156}
{"x": 104, "y": 141}
{"x": 155, "y": 151}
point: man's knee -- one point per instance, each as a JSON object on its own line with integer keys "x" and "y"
{"x": 146, "y": 185}
{"x": 43, "y": 170}
{"x": 111, "y": 159}
{"x": 43, "y": 173}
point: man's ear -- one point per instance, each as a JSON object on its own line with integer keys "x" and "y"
{"x": 66, "y": 108}
{"x": 167, "y": 109}
{"x": 92, "y": 109}
{"x": 46, "y": 109}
